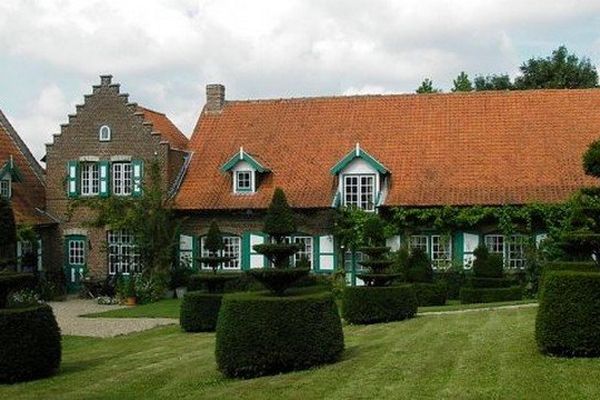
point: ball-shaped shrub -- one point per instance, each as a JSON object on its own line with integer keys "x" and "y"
{"x": 568, "y": 318}
{"x": 261, "y": 334}
{"x": 29, "y": 344}
{"x": 469, "y": 295}
{"x": 431, "y": 294}
{"x": 199, "y": 311}
{"x": 369, "y": 305}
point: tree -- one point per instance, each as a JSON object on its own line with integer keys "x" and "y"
{"x": 427, "y": 87}
{"x": 8, "y": 238}
{"x": 462, "y": 83}
{"x": 560, "y": 70}
{"x": 279, "y": 221}
{"x": 493, "y": 82}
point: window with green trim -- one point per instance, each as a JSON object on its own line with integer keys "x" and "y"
{"x": 419, "y": 242}
{"x": 305, "y": 252}
{"x": 233, "y": 249}
{"x": 441, "y": 251}
{"x": 5, "y": 188}
{"x": 244, "y": 181}
{"x": 90, "y": 179}
{"x": 359, "y": 191}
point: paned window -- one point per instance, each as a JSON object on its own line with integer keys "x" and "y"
{"x": 90, "y": 179}
{"x": 232, "y": 249}
{"x": 122, "y": 183}
{"x": 5, "y": 188}
{"x": 76, "y": 252}
{"x": 243, "y": 181}
{"x": 359, "y": 191}
{"x": 441, "y": 251}
{"x": 495, "y": 244}
{"x": 419, "y": 242}
{"x": 123, "y": 255}
{"x": 516, "y": 251}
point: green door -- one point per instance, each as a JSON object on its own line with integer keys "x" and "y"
{"x": 75, "y": 261}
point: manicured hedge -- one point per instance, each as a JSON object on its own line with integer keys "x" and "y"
{"x": 475, "y": 295}
{"x": 571, "y": 266}
{"x": 368, "y": 305}
{"x": 260, "y": 334}
{"x": 29, "y": 344}
{"x": 199, "y": 311}
{"x": 246, "y": 283}
{"x": 453, "y": 280}
{"x": 431, "y": 294}
{"x": 487, "y": 283}
{"x": 568, "y": 318}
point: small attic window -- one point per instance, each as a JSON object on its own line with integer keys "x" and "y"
{"x": 244, "y": 181}
{"x": 104, "y": 133}
{"x": 5, "y": 191}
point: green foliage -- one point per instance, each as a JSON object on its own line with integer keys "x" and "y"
{"x": 560, "y": 70}
{"x": 487, "y": 283}
{"x": 493, "y": 82}
{"x": 23, "y": 298}
{"x": 568, "y": 319}
{"x": 368, "y": 305}
{"x": 180, "y": 276}
{"x": 199, "y": 311}
{"x": 374, "y": 231}
{"x": 147, "y": 289}
{"x": 462, "y": 83}
{"x": 8, "y": 238}
{"x": 487, "y": 265}
{"x": 278, "y": 253}
{"x": 591, "y": 159}
{"x": 278, "y": 280}
{"x": 125, "y": 287}
{"x": 279, "y": 220}
{"x": 259, "y": 334}
{"x": 431, "y": 294}
{"x": 418, "y": 267}
{"x": 349, "y": 227}
{"x": 427, "y": 87}
{"x": 31, "y": 347}
{"x": 13, "y": 281}
{"x": 470, "y": 295}
{"x": 213, "y": 283}
{"x": 213, "y": 242}
{"x": 453, "y": 279}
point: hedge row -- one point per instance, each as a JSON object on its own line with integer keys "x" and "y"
{"x": 260, "y": 334}
{"x": 246, "y": 283}
{"x": 431, "y": 294}
{"x": 488, "y": 283}
{"x": 30, "y": 344}
{"x": 476, "y": 295}
{"x": 568, "y": 318}
{"x": 368, "y": 305}
{"x": 199, "y": 311}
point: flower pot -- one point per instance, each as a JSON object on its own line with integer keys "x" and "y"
{"x": 181, "y": 291}
{"x": 169, "y": 294}
{"x": 130, "y": 301}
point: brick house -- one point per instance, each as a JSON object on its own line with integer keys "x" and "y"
{"x": 101, "y": 152}
{"x": 377, "y": 152}
{"x": 22, "y": 182}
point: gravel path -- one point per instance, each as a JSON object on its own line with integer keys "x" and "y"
{"x": 68, "y": 316}
{"x": 525, "y": 305}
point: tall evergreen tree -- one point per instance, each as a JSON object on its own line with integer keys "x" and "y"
{"x": 462, "y": 83}
{"x": 560, "y": 70}
{"x": 279, "y": 221}
{"x": 427, "y": 87}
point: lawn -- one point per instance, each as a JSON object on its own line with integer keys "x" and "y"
{"x": 487, "y": 354}
{"x": 170, "y": 309}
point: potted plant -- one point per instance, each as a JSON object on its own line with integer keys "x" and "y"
{"x": 129, "y": 292}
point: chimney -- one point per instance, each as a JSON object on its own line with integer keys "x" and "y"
{"x": 215, "y": 97}
{"x": 105, "y": 80}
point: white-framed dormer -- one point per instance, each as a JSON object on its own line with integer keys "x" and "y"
{"x": 244, "y": 170}
{"x": 361, "y": 181}
{"x": 9, "y": 173}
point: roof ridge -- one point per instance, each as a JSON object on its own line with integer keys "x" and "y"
{"x": 152, "y": 110}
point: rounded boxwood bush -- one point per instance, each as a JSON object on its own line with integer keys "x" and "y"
{"x": 470, "y": 295}
{"x": 369, "y": 305}
{"x": 261, "y": 334}
{"x": 199, "y": 311}
{"x": 30, "y": 344}
{"x": 431, "y": 294}
{"x": 568, "y": 318}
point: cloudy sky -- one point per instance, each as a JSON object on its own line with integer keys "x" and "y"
{"x": 163, "y": 52}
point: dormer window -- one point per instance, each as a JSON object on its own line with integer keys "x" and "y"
{"x": 244, "y": 169}
{"x": 361, "y": 181}
{"x": 5, "y": 189}
{"x": 9, "y": 173}
{"x": 104, "y": 133}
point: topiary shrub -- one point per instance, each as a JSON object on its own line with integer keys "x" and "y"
{"x": 486, "y": 265}
{"x": 261, "y": 334}
{"x": 31, "y": 346}
{"x": 431, "y": 294}
{"x": 418, "y": 268}
{"x": 453, "y": 279}
{"x": 368, "y": 305}
{"x": 199, "y": 311}
{"x": 470, "y": 295}
{"x": 568, "y": 318}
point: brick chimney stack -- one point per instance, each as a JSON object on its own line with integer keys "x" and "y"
{"x": 105, "y": 80}
{"x": 215, "y": 97}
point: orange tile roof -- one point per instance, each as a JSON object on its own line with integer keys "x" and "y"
{"x": 28, "y": 196}
{"x": 167, "y": 129}
{"x": 457, "y": 148}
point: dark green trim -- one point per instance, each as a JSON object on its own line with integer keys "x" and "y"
{"x": 359, "y": 153}
{"x": 243, "y": 156}
{"x": 458, "y": 244}
{"x": 73, "y": 178}
{"x": 246, "y": 251}
{"x": 316, "y": 253}
{"x": 11, "y": 168}
{"x": 137, "y": 179}
{"x": 106, "y": 180}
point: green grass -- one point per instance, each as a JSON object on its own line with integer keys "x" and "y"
{"x": 488, "y": 354}
{"x": 170, "y": 309}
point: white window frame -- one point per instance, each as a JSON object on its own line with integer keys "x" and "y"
{"x": 307, "y": 251}
{"x": 251, "y": 181}
{"x": 441, "y": 258}
{"x": 76, "y": 252}
{"x": 417, "y": 241}
{"x": 122, "y": 185}
{"x": 233, "y": 245}
{"x": 104, "y": 133}
{"x": 5, "y": 188}
{"x": 89, "y": 178}
{"x": 123, "y": 254}
{"x": 361, "y": 203}
{"x": 515, "y": 251}
{"x": 495, "y": 243}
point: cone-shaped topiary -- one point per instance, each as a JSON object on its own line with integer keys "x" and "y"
{"x": 214, "y": 239}
{"x": 8, "y": 238}
{"x": 279, "y": 221}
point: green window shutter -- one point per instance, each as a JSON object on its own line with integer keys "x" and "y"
{"x": 246, "y": 250}
{"x": 73, "y": 179}
{"x": 326, "y": 253}
{"x": 316, "y": 254}
{"x": 195, "y": 252}
{"x": 137, "y": 176}
{"x": 104, "y": 172}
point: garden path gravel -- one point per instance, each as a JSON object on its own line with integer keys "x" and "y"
{"x": 68, "y": 315}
